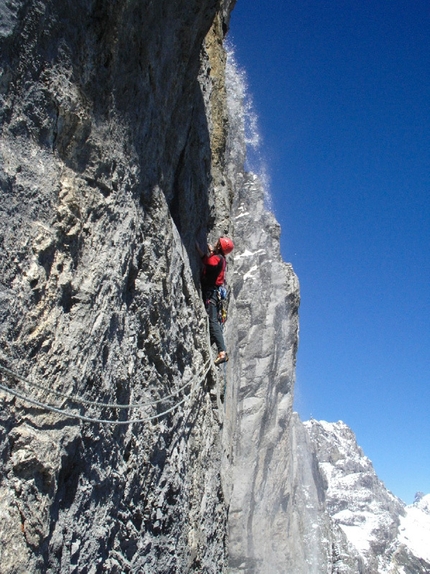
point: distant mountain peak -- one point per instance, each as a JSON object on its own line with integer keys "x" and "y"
{"x": 388, "y": 536}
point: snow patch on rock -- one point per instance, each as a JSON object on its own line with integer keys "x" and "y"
{"x": 388, "y": 537}
{"x": 414, "y": 529}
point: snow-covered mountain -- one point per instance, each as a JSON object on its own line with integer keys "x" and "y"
{"x": 414, "y": 530}
{"x": 373, "y": 530}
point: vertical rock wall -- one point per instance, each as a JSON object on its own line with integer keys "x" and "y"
{"x": 116, "y": 155}
{"x": 108, "y": 175}
{"x": 265, "y": 295}
{"x": 276, "y": 518}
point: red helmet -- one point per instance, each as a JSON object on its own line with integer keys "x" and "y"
{"x": 226, "y": 245}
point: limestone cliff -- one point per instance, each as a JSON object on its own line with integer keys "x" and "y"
{"x": 112, "y": 138}
{"x": 119, "y": 150}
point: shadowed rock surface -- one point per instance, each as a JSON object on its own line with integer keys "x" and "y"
{"x": 108, "y": 176}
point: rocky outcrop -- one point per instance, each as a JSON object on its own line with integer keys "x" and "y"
{"x": 108, "y": 176}
{"x": 120, "y": 148}
{"x": 264, "y": 300}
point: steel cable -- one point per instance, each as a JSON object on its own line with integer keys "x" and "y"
{"x": 76, "y": 399}
{"x": 66, "y": 413}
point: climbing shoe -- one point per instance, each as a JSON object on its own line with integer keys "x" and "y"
{"x": 222, "y": 358}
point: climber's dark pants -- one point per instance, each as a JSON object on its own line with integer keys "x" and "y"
{"x": 215, "y": 331}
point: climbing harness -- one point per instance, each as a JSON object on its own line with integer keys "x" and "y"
{"x": 70, "y": 414}
{"x": 222, "y": 304}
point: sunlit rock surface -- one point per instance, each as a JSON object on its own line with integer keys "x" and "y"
{"x": 265, "y": 299}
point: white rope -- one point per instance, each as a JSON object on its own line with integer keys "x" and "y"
{"x": 76, "y": 399}
{"x": 66, "y": 413}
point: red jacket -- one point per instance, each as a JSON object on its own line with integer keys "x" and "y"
{"x": 214, "y": 270}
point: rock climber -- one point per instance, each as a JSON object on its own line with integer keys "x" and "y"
{"x": 214, "y": 263}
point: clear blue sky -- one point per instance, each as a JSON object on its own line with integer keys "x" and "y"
{"x": 342, "y": 91}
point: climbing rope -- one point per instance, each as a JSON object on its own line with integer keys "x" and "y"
{"x": 69, "y": 414}
{"x": 76, "y": 399}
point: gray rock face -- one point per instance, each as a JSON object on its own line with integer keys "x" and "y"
{"x": 277, "y": 522}
{"x": 264, "y": 305}
{"x": 117, "y": 154}
{"x": 107, "y": 178}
